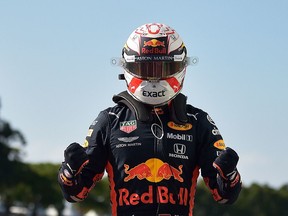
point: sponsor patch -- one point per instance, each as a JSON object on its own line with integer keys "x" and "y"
{"x": 184, "y": 137}
{"x": 124, "y": 145}
{"x": 127, "y": 139}
{"x": 85, "y": 144}
{"x": 215, "y": 131}
{"x": 220, "y": 144}
{"x": 94, "y": 122}
{"x": 153, "y": 170}
{"x": 128, "y": 126}
{"x": 211, "y": 120}
{"x": 179, "y": 127}
{"x": 154, "y": 46}
{"x": 90, "y": 131}
{"x": 179, "y": 151}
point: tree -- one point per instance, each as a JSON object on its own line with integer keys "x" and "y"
{"x": 46, "y": 190}
{"x": 10, "y": 161}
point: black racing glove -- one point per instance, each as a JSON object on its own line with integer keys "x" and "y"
{"x": 75, "y": 158}
{"x": 226, "y": 164}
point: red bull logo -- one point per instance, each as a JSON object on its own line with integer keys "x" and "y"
{"x": 154, "y": 46}
{"x": 162, "y": 194}
{"x": 140, "y": 171}
{"x": 153, "y": 170}
{"x": 154, "y": 43}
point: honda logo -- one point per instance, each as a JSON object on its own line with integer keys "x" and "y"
{"x": 179, "y": 148}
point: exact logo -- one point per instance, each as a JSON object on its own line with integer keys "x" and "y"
{"x": 153, "y": 94}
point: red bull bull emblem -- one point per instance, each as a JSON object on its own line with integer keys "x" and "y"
{"x": 153, "y": 170}
{"x": 154, "y": 43}
{"x": 154, "y": 46}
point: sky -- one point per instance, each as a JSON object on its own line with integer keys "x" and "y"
{"x": 56, "y": 76}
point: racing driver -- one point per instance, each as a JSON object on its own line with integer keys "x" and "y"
{"x": 151, "y": 143}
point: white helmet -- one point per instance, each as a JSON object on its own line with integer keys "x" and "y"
{"x": 154, "y": 63}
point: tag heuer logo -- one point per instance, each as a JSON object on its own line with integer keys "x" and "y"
{"x": 128, "y": 126}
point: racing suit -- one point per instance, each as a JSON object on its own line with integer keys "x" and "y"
{"x": 152, "y": 165}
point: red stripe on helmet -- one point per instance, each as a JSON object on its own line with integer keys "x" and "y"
{"x": 134, "y": 84}
{"x": 174, "y": 83}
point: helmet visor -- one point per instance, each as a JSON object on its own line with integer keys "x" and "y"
{"x": 154, "y": 69}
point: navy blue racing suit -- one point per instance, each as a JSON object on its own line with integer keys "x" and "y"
{"x": 152, "y": 165}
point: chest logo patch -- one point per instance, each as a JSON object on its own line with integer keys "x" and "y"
{"x": 179, "y": 127}
{"x": 220, "y": 144}
{"x": 128, "y": 126}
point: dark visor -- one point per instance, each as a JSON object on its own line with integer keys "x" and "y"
{"x": 154, "y": 69}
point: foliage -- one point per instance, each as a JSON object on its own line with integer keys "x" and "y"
{"x": 10, "y": 163}
{"x": 45, "y": 188}
{"x": 26, "y": 183}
